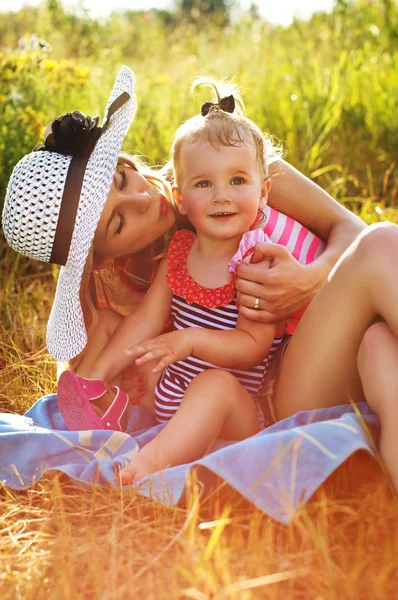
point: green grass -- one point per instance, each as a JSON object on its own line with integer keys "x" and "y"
{"x": 328, "y": 89}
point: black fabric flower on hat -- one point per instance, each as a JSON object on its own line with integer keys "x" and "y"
{"x": 73, "y": 134}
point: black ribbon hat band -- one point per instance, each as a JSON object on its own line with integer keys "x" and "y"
{"x": 68, "y": 210}
{"x": 76, "y": 135}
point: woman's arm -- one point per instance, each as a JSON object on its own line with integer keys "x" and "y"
{"x": 288, "y": 286}
{"x": 147, "y": 321}
{"x": 297, "y": 196}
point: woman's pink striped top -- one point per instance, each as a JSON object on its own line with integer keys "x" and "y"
{"x": 301, "y": 243}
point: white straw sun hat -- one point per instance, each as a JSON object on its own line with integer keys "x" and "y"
{"x": 55, "y": 198}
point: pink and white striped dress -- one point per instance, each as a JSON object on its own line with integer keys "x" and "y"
{"x": 195, "y": 306}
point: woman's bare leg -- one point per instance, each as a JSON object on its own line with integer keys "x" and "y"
{"x": 378, "y": 370}
{"x": 108, "y": 321}
{"x": 320, "y": 366}
{"x": 215, "y": 406}
{"x": 138, "y": 383}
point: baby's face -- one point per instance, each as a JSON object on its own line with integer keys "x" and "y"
{"x": 221, "y": 189}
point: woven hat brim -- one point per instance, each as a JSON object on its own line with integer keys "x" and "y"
{"x": 66, "y": 331}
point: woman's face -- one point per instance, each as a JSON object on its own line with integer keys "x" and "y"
{"x": 135, "y": 214}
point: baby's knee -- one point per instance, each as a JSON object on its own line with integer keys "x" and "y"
{"x": 217, "y": 377}
{"x": 218, "y": 384}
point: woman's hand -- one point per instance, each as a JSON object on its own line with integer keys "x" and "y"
{"x": 282, "y": 284}
{"x": 134, "y": 384}
{"x": 169, "y": 347}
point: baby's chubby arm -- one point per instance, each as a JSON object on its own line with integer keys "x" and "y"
{"x": 148, "y": 320}
{"x": 242, "y": 348}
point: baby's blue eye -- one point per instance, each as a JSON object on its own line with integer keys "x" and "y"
{"x": 237, "y": 181}
{"x": 203, "y": 184}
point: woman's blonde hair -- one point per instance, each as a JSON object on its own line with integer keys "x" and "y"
{"x": 87, "y": 298}
{"x": 220, "y": 128}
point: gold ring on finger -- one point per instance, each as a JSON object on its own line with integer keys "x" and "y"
{"x": 256, "y": 304}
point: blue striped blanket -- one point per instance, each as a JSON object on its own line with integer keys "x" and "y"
{"x": 277, "y": 470}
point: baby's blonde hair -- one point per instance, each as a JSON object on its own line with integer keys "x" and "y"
{"x": 220, "y": 128}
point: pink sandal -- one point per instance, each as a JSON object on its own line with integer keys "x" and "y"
{"x": 94, "y": 388}
{"x": 74, "y": 396}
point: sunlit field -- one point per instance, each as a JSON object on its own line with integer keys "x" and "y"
{"x": 328, "y": 90}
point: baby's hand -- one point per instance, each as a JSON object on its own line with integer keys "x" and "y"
{"x": 169, "y": 347}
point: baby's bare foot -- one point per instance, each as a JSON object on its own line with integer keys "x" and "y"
{"x": 145, "y": 463}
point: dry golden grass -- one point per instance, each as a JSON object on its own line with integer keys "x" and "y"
{"x": 61, "y": 542}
